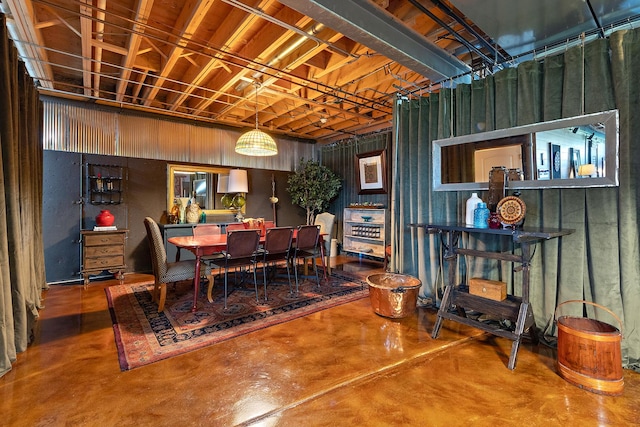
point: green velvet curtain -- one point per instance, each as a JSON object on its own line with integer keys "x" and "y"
{"x": 600, "y": 262}
{"x": 22, "y": 275}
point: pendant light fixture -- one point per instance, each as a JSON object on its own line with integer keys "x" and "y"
{"x": 255, "y": 142}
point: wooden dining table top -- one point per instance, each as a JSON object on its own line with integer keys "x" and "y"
{"x": 205, "y": 245}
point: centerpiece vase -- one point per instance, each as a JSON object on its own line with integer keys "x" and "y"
{"x": 105, "y": 218}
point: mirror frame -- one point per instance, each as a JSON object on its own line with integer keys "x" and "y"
{"x": 609, "y": 118}
{"x": 173, "y": 167}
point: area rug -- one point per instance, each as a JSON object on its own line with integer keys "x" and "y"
{"x": 144, "y": 336}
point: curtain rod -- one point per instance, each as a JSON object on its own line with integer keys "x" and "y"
{"x": 538, "y": 54}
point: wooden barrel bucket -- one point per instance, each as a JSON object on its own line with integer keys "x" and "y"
{"x": 589, "y": 354}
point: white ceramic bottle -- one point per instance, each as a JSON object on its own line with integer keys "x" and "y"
{"x": 472, "y": 204}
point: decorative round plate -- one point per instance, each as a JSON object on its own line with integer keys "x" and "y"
{"x": 511, "y": 210}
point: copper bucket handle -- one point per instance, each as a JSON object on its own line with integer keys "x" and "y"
{"x": 555, "y": 313}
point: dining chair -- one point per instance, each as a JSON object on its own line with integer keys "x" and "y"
{"x": 306, "y": 247}
{"x": 277, "y": 247}
{"x": 166, "y": 272}
{"x": 242, "y": 250}
{"x": 326, "y": 221}
{"x": 213, "y": 260}
{"x": 234, "y": 226}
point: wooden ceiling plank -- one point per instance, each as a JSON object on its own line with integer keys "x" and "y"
{"x": 23, "y": 20}
{"x": 263, "y": 45}
{"x": 191, "y": 16}
{"x": 143, "y": 10}
{"x": 99, "y": 44}
{"x": 97, "y": 64}
{"x": 86, "y": 34}
{"x": 229, "y": 36}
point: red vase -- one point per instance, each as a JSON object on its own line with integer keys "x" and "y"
{"x": 105, "y": 218}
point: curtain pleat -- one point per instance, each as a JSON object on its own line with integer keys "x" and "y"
{"x": 625, "y": 66}
{"x": 22, "y": 275}
{"x": 600, "y": 261}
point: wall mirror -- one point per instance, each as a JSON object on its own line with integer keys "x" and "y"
{"x": 198, "y": 181}
{"x": 575, "y": 152}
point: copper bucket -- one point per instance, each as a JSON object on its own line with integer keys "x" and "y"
{"x": 393, "y": 295}
{"x": 589, "y": 354}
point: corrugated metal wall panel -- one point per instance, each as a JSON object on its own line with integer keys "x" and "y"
{"x": 90, "y": 129}
{"x": 70, "y": 128}
{"x": 145, "y": 132}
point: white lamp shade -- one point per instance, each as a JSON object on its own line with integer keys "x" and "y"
{"x": 223, "y": 184}
{"x": 238, "y": 182}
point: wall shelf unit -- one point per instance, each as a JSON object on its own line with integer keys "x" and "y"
{"x": 104, "y": 184}
{"x": 364, "y": 231}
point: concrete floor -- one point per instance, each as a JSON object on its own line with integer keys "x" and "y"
{"x": 344, "y": 366}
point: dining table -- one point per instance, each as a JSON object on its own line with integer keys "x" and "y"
{"x": 214, "y": 244}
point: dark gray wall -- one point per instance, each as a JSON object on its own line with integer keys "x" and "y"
{"x": 144, "y": 194}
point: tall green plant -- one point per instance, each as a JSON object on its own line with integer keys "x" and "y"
{"x": 312, "y": 187}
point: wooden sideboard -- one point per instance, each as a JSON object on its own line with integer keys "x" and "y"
{"x": 103, "y": 251}
{"x": 456, "y": 298}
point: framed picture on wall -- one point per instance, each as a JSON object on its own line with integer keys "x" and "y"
{"x": 556, "y": 161}
{"x": 371, "y": 172}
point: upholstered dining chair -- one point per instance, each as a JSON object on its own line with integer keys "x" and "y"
{"x": 306, "y": 247}
{"x": 277, "y": 247}
{"x": 326, "y": 221}
{"x": 242, "y": 251}
{"x": 166, "y": 272}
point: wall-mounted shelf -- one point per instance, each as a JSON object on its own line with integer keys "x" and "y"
{"x": 364, "y": 231}
{"x": 104, "y": 184}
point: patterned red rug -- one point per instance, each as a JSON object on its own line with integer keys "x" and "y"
{"x": 144, "y": 336}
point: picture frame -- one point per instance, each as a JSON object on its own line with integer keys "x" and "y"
{"x": 371, "y": 171}
{"x": 556, "y": 161}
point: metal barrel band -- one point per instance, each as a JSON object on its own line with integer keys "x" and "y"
{"x": 555, "y": 313}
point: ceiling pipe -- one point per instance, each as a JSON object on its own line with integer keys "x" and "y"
{"x": 377, "y": 29}
{"x": 488, "y": 61}
{"x": 283, "y": 24}
{"x": 491, "y": 47}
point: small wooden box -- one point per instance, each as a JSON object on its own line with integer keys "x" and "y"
{"x": 491, "y": 289}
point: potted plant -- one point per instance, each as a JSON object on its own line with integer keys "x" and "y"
{"x": 312, "y": 187}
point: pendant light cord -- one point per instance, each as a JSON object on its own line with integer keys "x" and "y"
{"x": 257, "y": 85}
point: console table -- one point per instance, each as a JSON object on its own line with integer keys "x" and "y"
{"x": 517, "y": 309}
{"x": 103, "y": 251}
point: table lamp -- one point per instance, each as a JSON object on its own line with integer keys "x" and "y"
{"x": 238, "y": 183}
